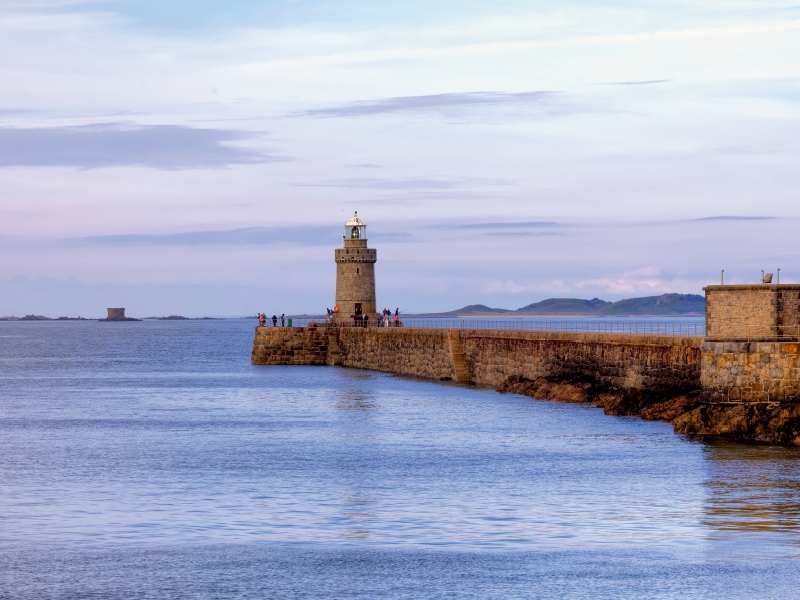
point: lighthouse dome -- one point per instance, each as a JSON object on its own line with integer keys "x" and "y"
{"x": 355, "y": 229}
{"x": 355, "y": 221}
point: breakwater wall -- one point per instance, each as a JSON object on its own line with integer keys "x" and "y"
{"x": 608, "y": 362}
{"x": 746, "y": 390}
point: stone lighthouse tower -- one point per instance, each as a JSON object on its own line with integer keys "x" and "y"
{"x": 355, "y": 273}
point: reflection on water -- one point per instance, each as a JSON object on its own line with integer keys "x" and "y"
{"x": 351, "y": 399}
{"x": 752, "y": 488}
{"x": 359, "y": 518}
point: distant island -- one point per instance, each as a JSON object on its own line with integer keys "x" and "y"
{"x": 181, "y": 318}
{"x": 666, "y": 305}
{"x": 169, "y": 318}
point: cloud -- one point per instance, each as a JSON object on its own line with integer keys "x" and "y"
{"x": 512, "y": 286}
{"x": 549, "y": 102}
{"x": 250, "y": 236}
{"x": 508, "y": 286}
{"x": 169, "y": 147}
{"x": 733, "y": 218}
{"x": 512, "y": 225}
{"x": 390, "y": 237}
{"x": 647, "y": 82}
{"x": 639, "y": 280}
{"x": 410, "y": 183}
{"x": 523, "y": 233}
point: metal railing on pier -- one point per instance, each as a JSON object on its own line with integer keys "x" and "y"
{"x": 668, "y": 328}
{"x": 776, "y": 333}
{"x": 660, "y": 327}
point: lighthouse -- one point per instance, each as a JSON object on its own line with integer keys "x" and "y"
{"x": 355, "y": 273}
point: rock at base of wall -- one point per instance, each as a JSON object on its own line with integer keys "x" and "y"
{"x": 689, "y": 413}
{"x": 773, "y": 423}
{"x": 541, "y": 388}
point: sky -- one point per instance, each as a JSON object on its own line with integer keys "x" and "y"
{"x": 201, "y": 157}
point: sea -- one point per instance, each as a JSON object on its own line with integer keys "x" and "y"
{"x": 151, "y": 460}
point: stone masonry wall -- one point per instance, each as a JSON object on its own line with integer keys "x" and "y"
{"x": 745, "y": 372}
{"x": 787, "y": 303}
{"x": 415, "y": 352}
{"x": 290, "y": 346}
{"x": 656, "y": 364}
{"x": 647, "y": 363}
{"x": 737, "y": 311}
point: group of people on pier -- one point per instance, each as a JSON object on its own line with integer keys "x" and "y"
{"x": 262, "y": 320}
{"x": 385, "y": 319}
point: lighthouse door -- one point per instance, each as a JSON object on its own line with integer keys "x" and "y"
{"x": 358, "y": 308}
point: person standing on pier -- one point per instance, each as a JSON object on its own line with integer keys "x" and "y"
{"x": 283, "y": 319}
{"x": 274, "y": 321}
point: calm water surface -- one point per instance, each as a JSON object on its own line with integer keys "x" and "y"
{"x": 152, "y": 460}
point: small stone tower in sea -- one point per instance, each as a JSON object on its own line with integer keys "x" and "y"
{"x": 355, "y": 273}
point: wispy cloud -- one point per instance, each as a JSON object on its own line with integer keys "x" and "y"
{"x": 523, "y": 233}
{"x": 513, "y": 225}
{"x": 250, "y": 236}
{"x": 411, "y": 183}
{"x": 169, "y": 147}
{"x": 735, "y": 218}
{"x": 546, "y": 101}
{"x": 515, "y": 286}
{"x": 646, "y": 82}
{"x": 14, "y": 111}
{"x": 390, "y": 237}
{"x": 646, "y": 279}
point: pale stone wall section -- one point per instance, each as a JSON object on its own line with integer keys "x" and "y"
{"x": 750, "y": 372}
{"x": 740, "y": 311}
{"x": 747, "y": 312}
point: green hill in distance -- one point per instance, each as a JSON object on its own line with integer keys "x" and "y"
{"x": 564, "y": 306}
{"x": 482, "y": 309}
{"x": 666, "y": 305}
